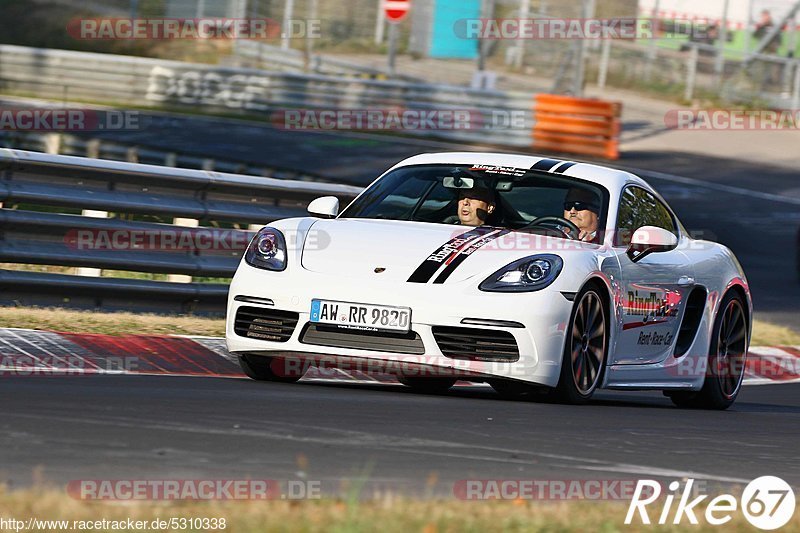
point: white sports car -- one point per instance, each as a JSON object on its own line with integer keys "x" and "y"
{"x": 524, "y": 300}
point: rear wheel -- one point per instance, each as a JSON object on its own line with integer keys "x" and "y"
{"x": 585, "y": 350}
{"x": 263, "y": 368}
{"x": 427, "y": 385}
{"x": 726, "y": 359}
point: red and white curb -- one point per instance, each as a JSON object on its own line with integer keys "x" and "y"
{"x": 26, "y": 352}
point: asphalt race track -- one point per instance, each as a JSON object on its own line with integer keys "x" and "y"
{"x": 150, "y": 427}
{"x": 156, "y": 427}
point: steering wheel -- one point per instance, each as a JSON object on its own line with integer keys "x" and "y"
{"x": 574, "y": 232}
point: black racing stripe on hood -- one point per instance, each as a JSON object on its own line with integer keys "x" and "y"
{"x": 546, "y": 164}
{"x": 428, "y": 268}
{"x": 466, "y": 252}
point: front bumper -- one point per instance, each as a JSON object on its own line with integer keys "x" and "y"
{"x": 543, "y": 315}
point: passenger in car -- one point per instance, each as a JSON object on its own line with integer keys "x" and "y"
{"x": 582, "y": 209}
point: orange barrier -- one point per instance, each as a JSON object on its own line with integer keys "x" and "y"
{"x": 576, "y": 125}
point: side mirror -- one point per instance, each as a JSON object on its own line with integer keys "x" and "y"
{"x": 650, "y": 239}
{"x": 325, "y": 207}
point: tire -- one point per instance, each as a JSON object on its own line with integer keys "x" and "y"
{"x": 727, "y": 356}
{"x": 585, "y": 348}
{"x": 261, "y": 368}
{"x": 427, "y": 385}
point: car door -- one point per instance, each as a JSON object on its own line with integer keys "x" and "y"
{"x": 654, "y": 288}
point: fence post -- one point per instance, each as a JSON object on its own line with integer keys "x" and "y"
{"x": 691, "y": 73}
{"x": 184, "y": 223}
{"x": 796, "y": 87}
{"x": 52, "y": 143}
{"x": 93, "y": 148}
{"x": 171, "y": 159}
{"x": 208, "y": 164}
{"x": 132, "y": 154}
{"x": 91, "y": 271}
{"x": 605, "y": 56}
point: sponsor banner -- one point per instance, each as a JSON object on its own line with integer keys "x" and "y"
{"x": 191, "y": 28}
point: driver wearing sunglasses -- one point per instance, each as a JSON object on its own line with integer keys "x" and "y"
{"x": 582, "y": 209}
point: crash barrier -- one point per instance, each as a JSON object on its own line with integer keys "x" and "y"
{"x": 137, "y": 152}
{"x": 576, "y": 125}
{"x": 502, "y": 118}
{"x": 271, "y": 57}
{"x": 133, "y": 218}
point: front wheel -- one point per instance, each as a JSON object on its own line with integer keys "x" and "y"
{"x": 585, "y": 350}
{"x": 726, "y": 360}
{"x": 261, "y": 368}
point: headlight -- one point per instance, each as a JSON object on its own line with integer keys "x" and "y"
{"x": 267, "y": 250}
{"x": 528, "y": 274}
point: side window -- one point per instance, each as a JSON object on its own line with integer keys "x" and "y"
{"x": 639, "y": 208}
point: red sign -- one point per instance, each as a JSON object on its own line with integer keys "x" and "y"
{"x": 396, "y": 10}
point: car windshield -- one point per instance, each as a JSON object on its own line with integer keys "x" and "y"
{"x": 430, "y": 193}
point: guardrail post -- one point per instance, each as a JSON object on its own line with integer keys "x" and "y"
{"x": 691, "y": 73}
{"x": 52, "y": 143}
{"x": 184, "y": 223}
{"x": 90, "y": 271}
{"x": 93, "y": 148}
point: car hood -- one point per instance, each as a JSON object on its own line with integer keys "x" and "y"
{"x": 394, "y": 250}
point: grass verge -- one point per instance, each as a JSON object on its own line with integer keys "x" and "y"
{"x": 764, "y": 333}
{"x": 387, "y": 514}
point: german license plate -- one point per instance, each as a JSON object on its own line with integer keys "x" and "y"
{"x": 364, "y": 317}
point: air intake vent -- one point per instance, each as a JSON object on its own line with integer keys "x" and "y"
{"x": 476, "y": 344}
{"x": 695, "y": 305}
{"x": 265, "y": 324}
{"x": 323, "y": 335}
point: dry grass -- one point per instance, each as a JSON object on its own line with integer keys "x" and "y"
{"x": 766, "y": 334}
{"x": 388, "y": 514}
{"x": 109, "y": 323}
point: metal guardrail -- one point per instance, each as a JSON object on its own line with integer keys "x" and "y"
{"x": 75, "y": 76}
{"x": 271, "y": 57}
{"x": 137, "y": 152}
{"x": 31, "y": 180}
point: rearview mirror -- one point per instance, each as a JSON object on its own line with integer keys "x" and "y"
{"x": 457, "y": 182}
{"x": 325, "y": 207}
{"x": 650, "y": 239}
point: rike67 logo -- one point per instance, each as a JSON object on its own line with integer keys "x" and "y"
{"x": 767, "y": 503}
